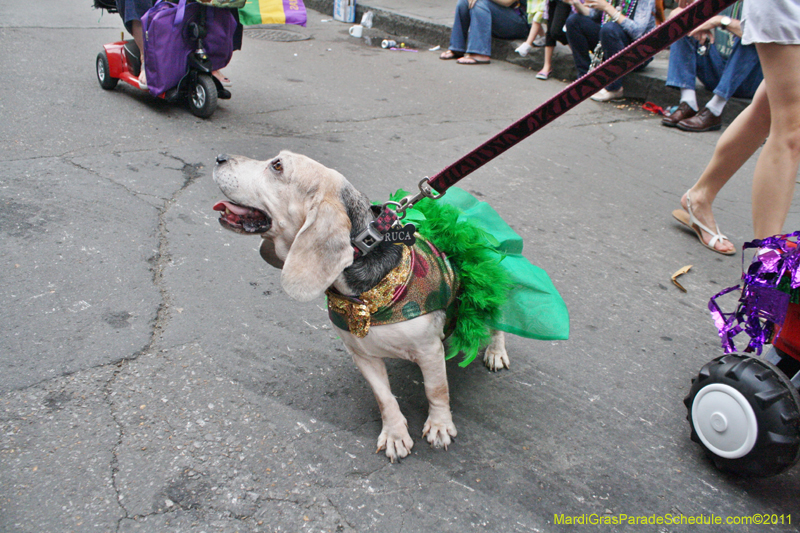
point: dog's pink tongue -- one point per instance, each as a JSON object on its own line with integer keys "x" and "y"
{"x": 233, "y": 208}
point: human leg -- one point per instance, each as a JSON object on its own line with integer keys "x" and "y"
{"x": 506, "y": 22}
{"x": 776, "y": 168}
{"x": 614, "y": 39}
{"x": 547, "y": 67}
{"x": 682, "y": 73}
{"x": 558, "y": 12}
{"x": 138, "y": 38}
{"x": 479, "y": 33}
{"x": 742, "y": 74}
{"x": 709, "y": 69}
{"x": 539, "y": 39}
{"x": 583, "y": 35}
{"x": 536, "y": 31}
{"x": 458, "y": 35}
{"x": 739, "y": 75}
{"x": 489, "y": 19}
{"x": 682, "y": 68}
{"x": 735, "y": 146}
{"x": 525, "y": 48}
{"x": 138, "y": 35}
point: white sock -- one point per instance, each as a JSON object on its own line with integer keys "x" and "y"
{"x": 716, "y": 105}
{"x": 690, "y": 97}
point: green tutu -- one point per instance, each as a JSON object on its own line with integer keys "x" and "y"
{"x": 501, "y": 289}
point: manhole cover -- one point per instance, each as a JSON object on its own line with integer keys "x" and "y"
{"x": 279, "y": 34}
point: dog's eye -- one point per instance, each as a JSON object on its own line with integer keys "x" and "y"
{"x": 277, "y": 165}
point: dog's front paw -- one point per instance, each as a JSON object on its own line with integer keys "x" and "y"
{"x": 396, "y": 441}
{"x": 439, "y": 433}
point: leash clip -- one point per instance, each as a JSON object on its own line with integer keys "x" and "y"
{"x": 425, "y": 191}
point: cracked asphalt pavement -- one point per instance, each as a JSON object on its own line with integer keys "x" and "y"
{"x": 155, "y": 378}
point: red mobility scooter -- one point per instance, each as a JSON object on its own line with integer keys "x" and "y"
{"x": 744, "y": 408}
{"x": 196, "y": 85}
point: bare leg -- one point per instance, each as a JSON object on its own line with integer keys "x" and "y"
{"x": 735, "y": 146}
{"x": 536, "y": 30}
{"x": 776, "y": 168}
{"x": 548, "y": 59}
{"x": 138, "y": 34}
{"x": 525, "y": 48}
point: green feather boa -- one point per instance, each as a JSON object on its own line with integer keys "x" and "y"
{"x": 472, "y": 252}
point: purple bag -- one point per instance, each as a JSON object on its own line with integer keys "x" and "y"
{"x": 167, "y": 44}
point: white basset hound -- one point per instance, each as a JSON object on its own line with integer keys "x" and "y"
{"x": 306, "y": 215}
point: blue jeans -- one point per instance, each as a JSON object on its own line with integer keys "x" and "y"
{"x": 473, "y": 28}
{"x": 739, "y": 75}
{"x": 583, "y": 34}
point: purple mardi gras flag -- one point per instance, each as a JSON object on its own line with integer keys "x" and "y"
{"x": 273, "y": 12}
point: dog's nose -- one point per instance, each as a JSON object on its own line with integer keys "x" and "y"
{"x": 222, "y": 158}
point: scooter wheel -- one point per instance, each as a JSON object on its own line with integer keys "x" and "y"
{"x": 104, "y": 73}
{"x": 203, "y": 96}
{"x": 745, "y": 413}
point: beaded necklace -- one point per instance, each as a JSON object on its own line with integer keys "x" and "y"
{"x": 626, "y": 7}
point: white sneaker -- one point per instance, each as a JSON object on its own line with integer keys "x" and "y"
{"x": 524, "y": 49}
{"x": 539, "y": 41}
{"x": 606, "y": 96}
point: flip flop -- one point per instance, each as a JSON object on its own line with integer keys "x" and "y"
{"x": 472, "y": 61}
{"x": 542, "y": 75}
{"x": 447, "y": 55}
{"x": 687, "y": 218}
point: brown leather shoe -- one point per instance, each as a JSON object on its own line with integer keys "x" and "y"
{"x": 703, "y": 121}
{"x": 683, "y": 111}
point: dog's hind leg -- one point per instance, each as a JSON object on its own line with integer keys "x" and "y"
{"x": 394, "y": 437}
{"x": 496, "y": 357}
{"x": 439, "y": 427}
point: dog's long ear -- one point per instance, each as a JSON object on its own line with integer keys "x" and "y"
{"x": 319, "y": 253}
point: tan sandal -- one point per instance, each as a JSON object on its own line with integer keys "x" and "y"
{"x": 687, "y": 218}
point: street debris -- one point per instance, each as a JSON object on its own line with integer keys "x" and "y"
{"x": 681, "y": 271}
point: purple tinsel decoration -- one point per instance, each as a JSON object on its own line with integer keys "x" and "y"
{"x": 762, "y": 305}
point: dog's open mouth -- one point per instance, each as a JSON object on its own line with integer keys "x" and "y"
{"x": 242, "y": 219}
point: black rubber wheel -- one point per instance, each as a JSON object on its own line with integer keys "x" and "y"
{"x": 203, "y": 96}
{"x": 745, "y": 413}
{"x": 104, "y": 73}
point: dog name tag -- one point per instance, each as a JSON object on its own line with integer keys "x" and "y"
{"x": 404, "y": 235}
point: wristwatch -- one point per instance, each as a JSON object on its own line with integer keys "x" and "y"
{"x": 724, "y": 21}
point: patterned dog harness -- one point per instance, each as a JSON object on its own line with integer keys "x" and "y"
{"x": 423, "y": 282}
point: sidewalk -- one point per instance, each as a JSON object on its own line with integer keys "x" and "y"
{"x": 430, "y": 22}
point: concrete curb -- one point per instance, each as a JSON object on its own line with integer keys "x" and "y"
{"x": 648, "y": 85}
